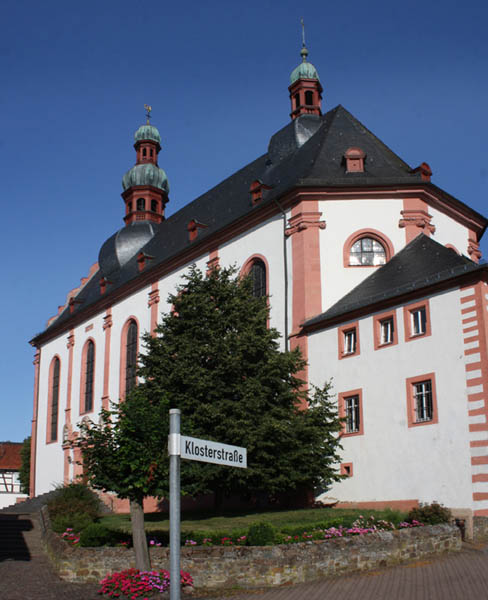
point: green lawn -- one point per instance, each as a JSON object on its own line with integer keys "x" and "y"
{"x": 281, "y": 519}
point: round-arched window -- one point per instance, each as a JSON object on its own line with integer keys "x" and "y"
{"x": 367, "y": 251}
{"x": 257, "y": 273}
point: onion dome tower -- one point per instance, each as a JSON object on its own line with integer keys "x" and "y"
{"x": 145, "y": 186}
{"x": 305, "y": 89}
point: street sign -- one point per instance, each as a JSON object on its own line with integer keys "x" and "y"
{"x": 213, "y": 452}
{"x": 180, "y": 446}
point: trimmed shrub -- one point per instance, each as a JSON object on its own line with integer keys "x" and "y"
{"x": 261, "y": 534}
{"x": 430, "y": 514}
{"x": 76, "y": 521}
{"x": 74, "y": 498}
{"x": 97, "y": 535}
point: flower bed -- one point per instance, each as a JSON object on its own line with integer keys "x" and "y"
{"x": 234, "y": 566}
{"x": 134, "y": 584}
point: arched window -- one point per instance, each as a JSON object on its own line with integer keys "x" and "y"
{"x": 131, "y": 356}
{"x": 154, "y": 205}
{"x": 309, "y": 98}
{"x": 257, "y": 273}
{"x": 89, "y": 366}
{"x": 53, "y": 400}
{"x": 367, "y": 251}
{"x": 140, "y": 204}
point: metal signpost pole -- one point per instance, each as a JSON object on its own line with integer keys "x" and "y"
{"x": 174, "y": 503}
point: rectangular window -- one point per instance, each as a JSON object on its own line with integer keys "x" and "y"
{"x": 353, "y": 418}
{"x": 350, "y": 341}
{"x": 387, "y": 330}
{"x": 417, "y": 320}
{"x": 351, "y": 411}
{"x": 421, "y": 400}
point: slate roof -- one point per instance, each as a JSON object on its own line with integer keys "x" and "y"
{"x": 10, "y": 456}
{"x": 307, "y": 152}
{"x": 421, "y": 264}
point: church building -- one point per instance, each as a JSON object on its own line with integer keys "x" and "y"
{"x": 371, "y": 269}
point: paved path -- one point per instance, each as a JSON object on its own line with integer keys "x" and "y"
{"x": 25, "y": 570}
{"x": 26, "y": 574}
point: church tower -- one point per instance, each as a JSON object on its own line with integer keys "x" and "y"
{"x": 305, "y": 89}
{"x": 145, "y": 186}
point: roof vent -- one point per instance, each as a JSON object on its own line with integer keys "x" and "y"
{"x": 141, "y": 260}
{"x": 424, "y": 170}
{"x": 354, "y": 160}
{"x": 193, "y": 227}
{"x": 256, "y": 191}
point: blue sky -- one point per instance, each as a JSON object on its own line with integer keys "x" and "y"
{"x": 75, "y": 77}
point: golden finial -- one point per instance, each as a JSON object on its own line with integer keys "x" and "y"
{"x": 148, "y": 113}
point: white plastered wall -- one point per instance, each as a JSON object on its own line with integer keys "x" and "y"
{"x": 90, "y": 329}
{"x": 449, "y": 231}
{"x": 265, "y": 239}
{"x": 343, "y": 218}
{"x": 49, "y": 456}
{"x": 392, "y": 461}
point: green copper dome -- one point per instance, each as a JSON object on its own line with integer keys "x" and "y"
{"x": 146, "y": 174}
{"x": 305, "y": 70}
{"x": 147, "y": 132}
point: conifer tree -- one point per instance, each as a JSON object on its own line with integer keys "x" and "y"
{"x": 215, "y": 358}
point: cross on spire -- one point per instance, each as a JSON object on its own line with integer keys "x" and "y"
{"x": 148, "y": 113}
{"x": 303, "y": 32}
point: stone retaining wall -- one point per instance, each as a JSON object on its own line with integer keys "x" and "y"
{"x": 247, "y": 567}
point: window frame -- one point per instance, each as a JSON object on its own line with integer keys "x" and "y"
{"x": 411, "y": 382}
{"x": 342, "y": 397}
{"x": 374, "y": 234}
{"x": 84, "y": 375}
{"x": 247, "y": 266}
{"x": 123, "y": 355}
{"x": 51, "y": 429}
{"x": 347, "y": 469}
{"x": 342, "y": 332}
{"x": 408, "y": 311}
{"x": 377, "y": 333}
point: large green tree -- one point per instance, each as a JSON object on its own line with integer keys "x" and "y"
{"x": 215, "y": 358}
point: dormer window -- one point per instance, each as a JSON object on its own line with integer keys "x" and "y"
{"x": 354, "y": 160}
